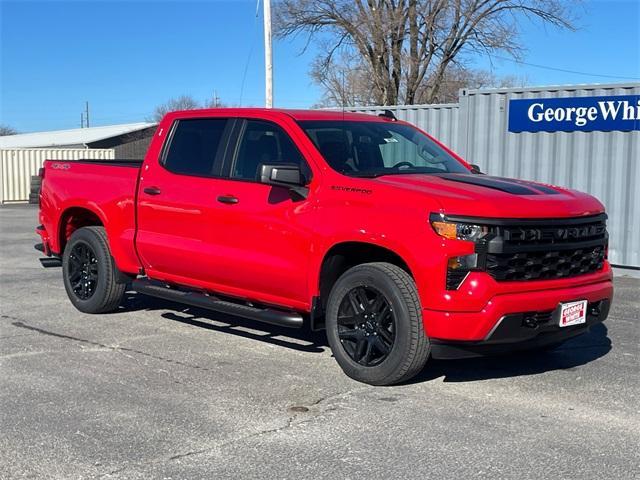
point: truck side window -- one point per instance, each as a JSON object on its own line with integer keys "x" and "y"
{"x": 265, "y": 142}
{"x": 195, "y": 144}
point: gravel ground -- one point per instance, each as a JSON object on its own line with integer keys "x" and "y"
{"x": 158, "y": 390}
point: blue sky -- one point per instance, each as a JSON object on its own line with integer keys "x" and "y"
{"x": 127, "y": 57}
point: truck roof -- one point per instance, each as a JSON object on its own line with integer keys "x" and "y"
{"x": 296, "y": 114}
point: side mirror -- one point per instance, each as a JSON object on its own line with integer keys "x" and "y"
{"x": 476, "y": 169}
{"x": 286, "y": 175}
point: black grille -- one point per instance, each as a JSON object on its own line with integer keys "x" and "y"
{"x": 545, "y": 265}
{"x": 543, "y": 250}
{"x": 546, "y": 235}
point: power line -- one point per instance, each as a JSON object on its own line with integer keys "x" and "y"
{"x": 564, "y": 70}
{"x": 253, "y": 44}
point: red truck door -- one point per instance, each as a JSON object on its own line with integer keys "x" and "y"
{"x": 222, "y": 230}
{"x": 177, "y": 201}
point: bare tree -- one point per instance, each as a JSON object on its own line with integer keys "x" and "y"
{"x": 346, "y": 82}
{"x": 457, "y": 77}
{"x": 7, "y": 130}
{"x": 184, "y": 102}
{"x": 408, "y": 46}
{"x": 349, "y": 84}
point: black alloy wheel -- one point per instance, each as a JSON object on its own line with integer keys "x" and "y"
{"x": 91, "y": 278}
{"x": 366, "y": 325}
{"x": 83, "y": 270}
{"x": 374, "y": 324}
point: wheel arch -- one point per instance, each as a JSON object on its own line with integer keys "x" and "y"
{"x": 74, "y": 218}
{"x": 344, "y": 255}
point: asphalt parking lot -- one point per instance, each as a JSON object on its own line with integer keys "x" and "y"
{"x": 158, "y": 390}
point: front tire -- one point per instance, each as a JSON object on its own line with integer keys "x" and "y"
{"x": 89, "y": 272}
{"x": 374, "y": 324}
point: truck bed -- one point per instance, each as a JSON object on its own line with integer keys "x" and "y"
{"x": 106, "y": 187}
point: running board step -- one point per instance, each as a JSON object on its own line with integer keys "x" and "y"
{"x": 197, "y": 299}
{"x": 51, "y": 262}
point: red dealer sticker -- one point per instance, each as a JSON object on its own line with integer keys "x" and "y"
{"x": 573, "y": 313}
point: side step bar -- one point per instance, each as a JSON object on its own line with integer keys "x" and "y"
{"x": 51, "y": 262}
{"x": 197, "y": 299}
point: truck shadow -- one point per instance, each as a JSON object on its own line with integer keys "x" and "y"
{"x": 572, "y": 354}
{"x": 303, "y": 339}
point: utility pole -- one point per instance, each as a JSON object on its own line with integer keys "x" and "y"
{"x": 268, "y": 59}
{"x": 81, "y": 119}
{"x": 86, "y": 115}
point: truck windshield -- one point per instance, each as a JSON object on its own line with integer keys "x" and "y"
{"x": 371, "y": 149}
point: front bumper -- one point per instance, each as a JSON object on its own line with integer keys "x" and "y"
{"x": 521, "y": 332}
{"x": 479, "y": 326}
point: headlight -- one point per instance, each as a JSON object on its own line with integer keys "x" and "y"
{"x": 459, "y": 267}
{"x": 457, "y": 231}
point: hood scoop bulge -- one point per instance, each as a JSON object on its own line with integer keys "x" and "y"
{"x": 508, "y": 185}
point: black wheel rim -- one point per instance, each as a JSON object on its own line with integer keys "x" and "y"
{"x": 366, "y": 326}
{"x": 83, "y": 271}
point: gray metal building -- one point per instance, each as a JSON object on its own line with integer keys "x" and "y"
{"x": 603, "y": 163}
{"x": 129, "y": 140}
{"x": 21, "y": 155}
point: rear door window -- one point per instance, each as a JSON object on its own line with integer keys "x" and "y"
{"x": 197, "y": 146}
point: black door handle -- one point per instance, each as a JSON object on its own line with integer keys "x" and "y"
{"x": 228, "y": 199}
{"x": 152, "y": 191}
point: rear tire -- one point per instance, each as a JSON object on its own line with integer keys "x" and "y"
{"x": 374, "y": 324}
{"x": 89, "y": 272}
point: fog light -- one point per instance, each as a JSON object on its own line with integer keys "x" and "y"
{"x": 467, "y": 262}
{"x": 458, "y": 269}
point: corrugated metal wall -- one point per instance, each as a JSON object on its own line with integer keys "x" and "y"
{"x": 604, "y": 164}
{"x": 18, "y": 165}
{"x": 441, "y": 121}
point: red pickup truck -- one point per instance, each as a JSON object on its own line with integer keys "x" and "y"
{"x": 361, "y": 225}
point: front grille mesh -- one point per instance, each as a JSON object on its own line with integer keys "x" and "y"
{"x": 547, "y": 250}
{"x": 545, "y": 265}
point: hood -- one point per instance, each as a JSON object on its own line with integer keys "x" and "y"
{"x": 496, "y": 197}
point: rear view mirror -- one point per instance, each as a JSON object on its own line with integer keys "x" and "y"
{"x": 283, "y": 175}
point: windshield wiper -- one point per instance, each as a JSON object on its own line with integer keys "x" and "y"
{"x": 392, "y": 172}
{"x": 364, "y": 174}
